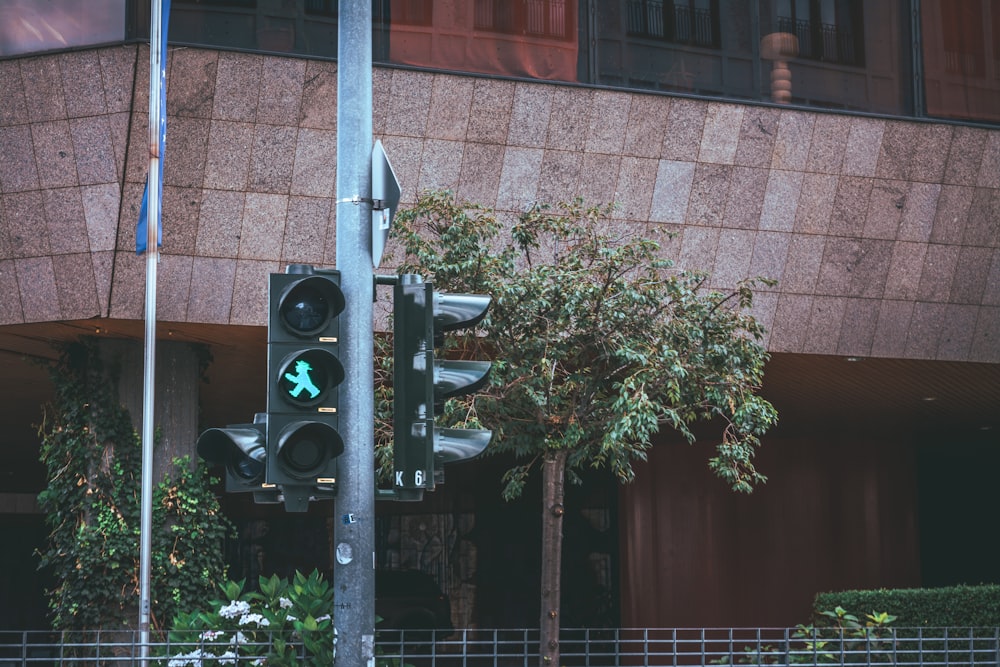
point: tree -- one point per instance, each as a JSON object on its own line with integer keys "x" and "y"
{"x": 597, "y": 342}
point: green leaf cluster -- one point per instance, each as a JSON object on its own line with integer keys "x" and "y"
{"x": 284, "y": 623}
{"x": 597, "y": 340}
{"x": 92, "y": 509}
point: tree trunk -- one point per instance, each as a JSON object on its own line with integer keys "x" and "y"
{"x": 553, "y": 479}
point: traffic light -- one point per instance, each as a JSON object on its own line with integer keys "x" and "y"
{"x": 240, "y": 448}
{"x": 422, "y": 383}
{"x": 304, "y": 372}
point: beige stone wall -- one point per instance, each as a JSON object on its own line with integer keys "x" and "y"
{"x": 884, "y": 234}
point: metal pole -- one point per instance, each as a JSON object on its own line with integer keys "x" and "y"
{"x": 354, "y": 530}
{"x": 156, "y": 115}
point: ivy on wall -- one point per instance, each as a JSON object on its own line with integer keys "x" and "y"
{"x": 92, "y": 509}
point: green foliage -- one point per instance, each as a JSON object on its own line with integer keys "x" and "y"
{"x": 597, "y": 341}
{"x": 286, "y": 623}
{"x": 91, "y": 503}
{"x": 951, "y": 606}
{"x": 842, "y": 639}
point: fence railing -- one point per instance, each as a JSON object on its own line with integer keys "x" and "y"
{"x": 644, "y": 647}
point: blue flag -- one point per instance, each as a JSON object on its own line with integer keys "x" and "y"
{"x": 140, "y": 229}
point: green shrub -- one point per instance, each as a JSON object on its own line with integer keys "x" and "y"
{"x": 954, "y": 606}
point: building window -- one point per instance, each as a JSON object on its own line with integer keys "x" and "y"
{"x": 827, "y": 30}
{"x": 28, "y": 26}
{"x": 412, "y": 12}
{"x": 536, "y": 18}
{"x": 690, "y": 22}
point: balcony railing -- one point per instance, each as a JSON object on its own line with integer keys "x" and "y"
{"x": 581, "y": 648}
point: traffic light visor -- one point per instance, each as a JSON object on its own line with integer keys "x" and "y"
{"x": 241, "y": 450}
{"x": 305, "y": 448}
{"x": 308, "y": 305}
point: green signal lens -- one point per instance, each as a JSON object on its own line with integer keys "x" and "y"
{"x": 307, "y": 377}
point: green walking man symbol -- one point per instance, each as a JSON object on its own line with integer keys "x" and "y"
{"x": 302, "y": 380}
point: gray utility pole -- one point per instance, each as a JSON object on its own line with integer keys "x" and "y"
{"x": 354, "y": 525}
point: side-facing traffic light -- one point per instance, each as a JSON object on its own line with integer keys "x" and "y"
{"x": 304, "y": 372}
{"x": 422, "y": 383}
{"x": 240, "y": 448}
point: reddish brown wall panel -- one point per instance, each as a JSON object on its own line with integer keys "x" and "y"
{"x": 835, "y": 514}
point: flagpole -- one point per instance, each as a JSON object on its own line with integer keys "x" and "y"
{"x": 156, "y": 119}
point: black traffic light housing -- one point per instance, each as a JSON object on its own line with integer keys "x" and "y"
{"x": 304, "y": 374}
{"x": 241, "y": 450}
{"x": 422, "y": 383}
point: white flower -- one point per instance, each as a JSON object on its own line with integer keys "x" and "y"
{"x": 184, "y": 659}
{"x": 285, "y": 603}
{"x": 228, "y": 658}
{"x": 240, "y": 638}
{"x": 324, "y": 617}
{"x": 211, "y": 635}
{"x": 234, "y": 609}
{"x": 257, "y": 619}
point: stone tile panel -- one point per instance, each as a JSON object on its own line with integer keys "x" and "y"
{"x": 930, "y": 153}
{"x": 212, "y": 293}
{"x": 769, "y": 253}
{"x": 17, "y": 168}
{"x": 54, "y": 155}
{"x": 82, "y": 83}
{"x": 826, "y": 150}
{"x": 599, "y": 177}
{"x": 186, "y": 152}
{"x": 314, "y": 173}
{"x": 781, "y": 200}
{"x": 249, "y": 304}
{"x": 757, "y": 135}
{"x": 721, "y": 134}
{"x": 816, "y": 201}
{"x": 173, "y": 287}
{"x": 519, "y": 176}
{"x": 905, "y": 270}
{"x": 441, "y": 164}
{"x": 682, "y": 137}
{"x": 791, "y": 146}
{"x": 181, "y": 210}
{"x": 74, "y": 278}
{"x": 953, "y": 209}
{"x": 965, "y": 155}
{"x": 93, "y": 148}
{"x": 65, "y": 220}
{"x": 864, "y": 143}
{"x": 305, "y": 232}
{"x": 746, "y": 197}
{"x": 237, "y": 87}
{"x": 272, "y": 159}
{"x": 919, "y": 212}
{"x": 857, "y": 331}
{"x": 10, "y": 293}
{"x": 791, "y": 320}
{"x": 893, "y": 326}
{"x": 982, "y": 226}
{"x": 227, "y": 162}
{"x": 489, "y": 117}
{"x": 43, "y": 91}
{"x": 850, "y": 206}
{"x": 220, "y": 224}
{"x": 825, "y": 321}
{"x": 118, "y": 66}
{"x": 319, "y": 95}
{"x": 480, "y": 179}
{"x": 100, "y": 213}
{"x": 191, "y": 87}
{"x": 647, "y": 124}
{"x": 529, "y": 118}
{"x": 26, "y": 227}
{"x": 939, "y": 270}
{"x": 674, "y": 180}
{"x": 989, "y": 169}
{"x": 282, "y": 83}
{"x": 885, "y": 209}
{"x": 36, "y": 282}
{"x": 263, "y": 226}
{"x": 451, "y": 102}
{"x": 609, "y": 116}
{"x": 14, "y": 109}
{"x": 569, "y": 119}
{"x": 971, "y": 273}
{"x": 636, "y": 182}
{"x": 709, "y": 193}
{"x": 986, "y": 339}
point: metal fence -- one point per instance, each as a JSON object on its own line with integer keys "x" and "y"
{"x": 644, "y": 647}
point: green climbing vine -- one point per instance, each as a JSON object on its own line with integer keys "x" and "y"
{"x": 91, "y": 503}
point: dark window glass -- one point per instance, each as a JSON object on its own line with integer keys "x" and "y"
{"x": 829, "y": 30}
{"x": 30, "y": 26}
{"x": 542, "y": 18}
{"x": 961, "y": 58}
{"x": 693, "y": 22}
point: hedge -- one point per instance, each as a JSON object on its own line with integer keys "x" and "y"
{"x": 953, "y": 606}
